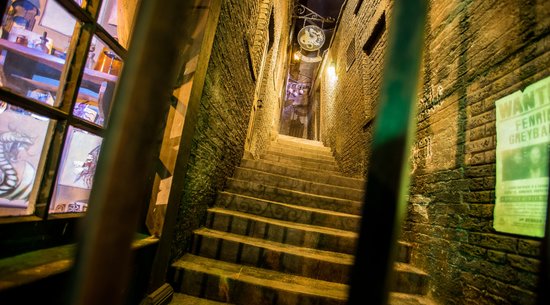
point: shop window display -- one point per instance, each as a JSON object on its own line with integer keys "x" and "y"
{"x": 48, "y": 155}
{"x": 94, "y": 98}
{"x": 33, "y": 48}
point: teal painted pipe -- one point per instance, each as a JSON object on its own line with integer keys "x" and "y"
{"x": 388, "y": 172}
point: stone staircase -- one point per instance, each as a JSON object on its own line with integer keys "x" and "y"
{"x": 283, "y": 232}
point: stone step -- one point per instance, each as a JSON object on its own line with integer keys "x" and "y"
{"x": 309, "y": 175}
{"x": 305, "y": 164}
{"x": 300, "y": 185}
{"x": 396, "y": 298}
{"x": 184, "y": 299}
{"x": 409, "y": 279}
{"x": 240, "y": 284}
{"x": 302, "y": 235}
{"x": 262, "y": 191}
{"x": 299, "y": 160}
{"x": 300, "y": 154}
{"x": 323, "y": 151}
{"x": 287, "y": 212}
{"x": 257, "y": 252}
{"x": 245, "y": 285}
{"x": 299, "y": 142}
{"x": 399, "y": 298}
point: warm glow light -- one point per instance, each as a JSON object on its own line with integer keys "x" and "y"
{"x": 297, "y": 56}
{"x": 331, "y": 72}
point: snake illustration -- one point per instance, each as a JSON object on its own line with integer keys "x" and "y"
{"x": 14, "y": 186}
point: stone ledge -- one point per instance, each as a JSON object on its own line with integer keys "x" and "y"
{"x": 32, "y": 266}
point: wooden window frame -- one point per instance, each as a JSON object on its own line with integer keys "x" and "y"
{"x": 19, "y": 234}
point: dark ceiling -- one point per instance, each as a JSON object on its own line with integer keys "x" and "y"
{"x": 325, "y": 8}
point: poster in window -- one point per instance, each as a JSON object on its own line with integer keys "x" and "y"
{"x": 22, "y": 139}
{"x": 80, "y": 162}
{"x": 523, "y": 138}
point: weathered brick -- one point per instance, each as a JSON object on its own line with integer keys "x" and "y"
{"x": 494, "y": 241}
{"x": 529, "y": 247}
{"x": 480, "y": 171}
{"x": 479, "y": 197}
{"x": 524, "y": 263}
{"x": 496, "y": 256}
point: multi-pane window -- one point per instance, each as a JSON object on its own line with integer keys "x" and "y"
{"x": 60, "y": 61}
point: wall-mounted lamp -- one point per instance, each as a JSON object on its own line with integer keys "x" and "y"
{"x": 331, "y": 73}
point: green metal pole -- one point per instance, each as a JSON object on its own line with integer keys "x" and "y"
{"x": 103, "y": 262}
{"x": 388, "y": 172}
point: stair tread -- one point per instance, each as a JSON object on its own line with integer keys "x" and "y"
{"x": 263, "y": 277}
{"x": 330, "y": 166}
{"x": 343, "y": 188}
{"x": 305, "y": 155}
{"x": 328, "y": 256}
{"x": 300, "y": 140}
{"x": 289, "y": 224}
{"x": 184, "y": 299}
{"x": 404, "y": 267}
{"x": 325, "y": 151}
{"x": 396, "y": 298}
{"x": 295, "y": 191}
{"x": 330, "y": 173}
{"x": 303, "y": 208}
{"x": 399, "y": 298}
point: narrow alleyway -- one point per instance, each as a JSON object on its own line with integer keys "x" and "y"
{"x": 274, "y": 152}
{"x": 283, "y": 232}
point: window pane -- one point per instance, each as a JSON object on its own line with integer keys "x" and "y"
{"x": 117, "y": 17}
{"x": 76, "y": 174}
{"x": 22, "y": 138}
{"x": 33, "y": 45}
{"x": 96, "y": 91}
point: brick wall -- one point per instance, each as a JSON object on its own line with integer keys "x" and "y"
{"x": 266, "y": 116}
{"x": 348, "y": 103}
{"x": 476, "y": 53}
{"x": 259, "y": 35}
{"x": 218, "y": 143}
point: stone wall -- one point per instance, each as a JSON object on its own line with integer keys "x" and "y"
{"x": 218, "y": 143}
{"x": 476, "y": 53}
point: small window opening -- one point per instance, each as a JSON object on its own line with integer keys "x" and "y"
{"x": 377, "y": 33}
{"x": 358, "y": 7}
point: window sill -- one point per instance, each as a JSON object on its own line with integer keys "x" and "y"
{"x": 36, "y": 265}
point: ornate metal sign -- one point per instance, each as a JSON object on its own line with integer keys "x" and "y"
{"x": 311, "y": 38}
